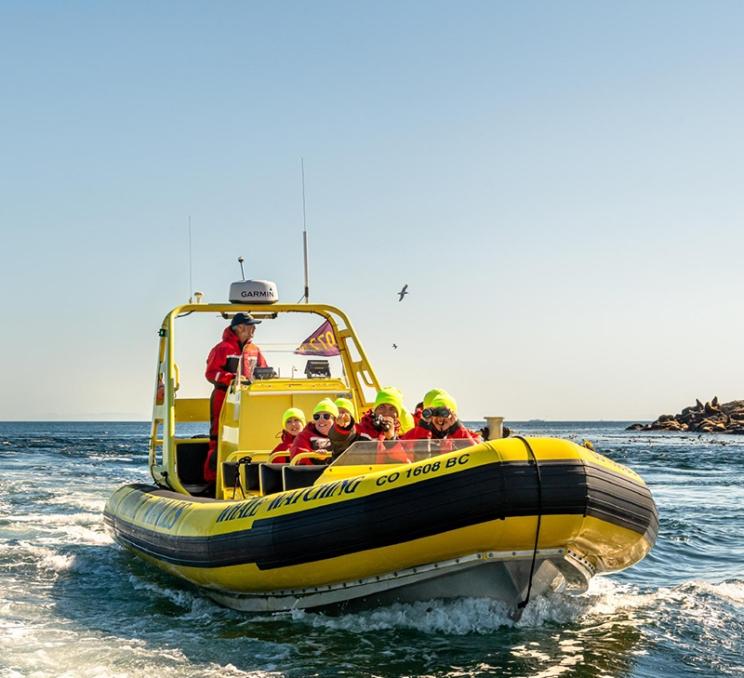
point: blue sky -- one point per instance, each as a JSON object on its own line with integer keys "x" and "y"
{"x": 558, "y": 183}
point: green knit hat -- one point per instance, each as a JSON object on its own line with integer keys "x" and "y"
{"x": 431, "y": 395}
{"x": 326, "y": 405}
{"x": 347, "y": 405}
{"x": 444, "y": 399}
{"x": 293, "y": 413}
{"x": 389, "y": 396}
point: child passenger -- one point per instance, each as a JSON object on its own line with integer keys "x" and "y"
{"x": 293, "y": 421}
{"x": 344, "y": 432}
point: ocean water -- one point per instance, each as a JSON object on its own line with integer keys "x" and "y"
{"x": 73, "y": 603}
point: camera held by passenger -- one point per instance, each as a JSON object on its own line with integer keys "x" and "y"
{"x": 380, "y": 424}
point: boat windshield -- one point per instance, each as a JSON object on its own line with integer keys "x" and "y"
{"x": 373, "y": 452}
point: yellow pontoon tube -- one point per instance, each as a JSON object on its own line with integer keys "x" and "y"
{"x": 504, "y": 519}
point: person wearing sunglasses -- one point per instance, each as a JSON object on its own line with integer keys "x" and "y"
{"x": 314, "y": 437}
{"x": 439, "y": 421}
{"x": 293, "y": 421}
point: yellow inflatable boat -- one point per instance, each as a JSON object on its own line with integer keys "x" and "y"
{"x": 508, "y": 518}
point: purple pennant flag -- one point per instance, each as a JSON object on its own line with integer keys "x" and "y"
{"x": 320, "y": 342}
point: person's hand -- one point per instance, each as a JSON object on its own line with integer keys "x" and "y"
{"x": 388, "y": 427}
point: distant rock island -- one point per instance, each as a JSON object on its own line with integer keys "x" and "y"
{"x": 712, "y": 417}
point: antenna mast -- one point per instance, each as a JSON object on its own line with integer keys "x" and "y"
{"x": 191, "y": 277}
{"x": 304, "y": 234}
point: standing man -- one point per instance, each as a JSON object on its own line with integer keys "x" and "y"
{"x": 222, "y": 364}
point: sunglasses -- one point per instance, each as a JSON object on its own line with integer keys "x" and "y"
{"x": 322, "y": 415}
{"x": 436, "y": 412}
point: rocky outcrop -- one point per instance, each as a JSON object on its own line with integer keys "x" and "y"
{"x": 711, "y": 417}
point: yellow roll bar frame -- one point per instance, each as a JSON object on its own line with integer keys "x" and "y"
{"x": 358, "y": 373}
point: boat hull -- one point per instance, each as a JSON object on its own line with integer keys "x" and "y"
{"x": 503, "y": 519}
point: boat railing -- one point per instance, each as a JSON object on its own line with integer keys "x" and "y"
{"x": 385, "y": 452}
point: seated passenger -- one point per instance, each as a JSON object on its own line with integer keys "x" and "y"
{"x": 346, "y": 412}
{"x": 426, "y": 403}
{"x": 417, "y": 413}
{"x": 382, "y": 422}
{"x": 293, "y": 421}
{"x": 343, "y": 432}
{"x": 314, "y": 437}
{"x": 404, "y": 416}
{"x": 439, "y": 421}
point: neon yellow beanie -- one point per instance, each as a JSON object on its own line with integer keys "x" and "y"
{"x": 406, "y": 421}
{"x": 293, "y": 413}
{"x": 431, "y": 395}
{"x": 389, "y": 396}
{"x": 394, "y": 392}
{"x": 347, "y": 405}
{"x": 326, "y": 405}
{"x": 444, "y": 399}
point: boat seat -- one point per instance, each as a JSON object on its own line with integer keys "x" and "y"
{"x": 229, "y": 473}
{"x": 248, "y": 479}
{"x": 251, "y": 480}
{"x": 301, "y": 476}
{"x": 270, "y": 478}
{"x": 191, "y": 453}
{"x": 199, "y": 489}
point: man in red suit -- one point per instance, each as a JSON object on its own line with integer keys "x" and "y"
{"x": 222, "y": 364}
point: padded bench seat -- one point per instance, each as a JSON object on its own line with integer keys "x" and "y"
{"x": 301, "y": 476}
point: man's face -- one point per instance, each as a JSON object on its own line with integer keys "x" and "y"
{"x": 390, "y": 415}
{"x": 323, "y": 422}
{"x": 244, "y": 332}
{"x": 387, "y": 411}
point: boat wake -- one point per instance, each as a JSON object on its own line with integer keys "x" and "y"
{"x": 605, "y": 600}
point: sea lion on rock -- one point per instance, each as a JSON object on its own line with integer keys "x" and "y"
{"x": 710, "y": 409}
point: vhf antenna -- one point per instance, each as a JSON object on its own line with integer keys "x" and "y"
{"x": 304, "y": 234}
{"x": 240, "y": 261}
{"x": 191, "y": 277}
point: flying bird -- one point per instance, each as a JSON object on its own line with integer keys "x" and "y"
{"x": 403, "y": 292}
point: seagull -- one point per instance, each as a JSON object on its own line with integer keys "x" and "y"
{"x": 403, "y": 292}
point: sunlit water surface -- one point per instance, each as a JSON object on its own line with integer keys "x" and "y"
{"x": 72, "y": 603}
